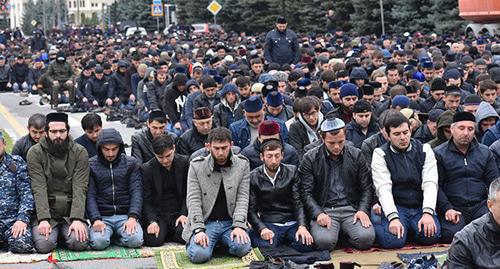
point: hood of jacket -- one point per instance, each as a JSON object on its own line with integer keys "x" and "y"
{"x": 109, "y": 136}
{"x": 484, "y": 111}
{"x": 445, "y": 120}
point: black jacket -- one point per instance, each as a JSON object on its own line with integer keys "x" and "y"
{"x": 90, "y": 146}
{"x": 423, "y": 134}
{"x": 314, "y": 174}
{"x": 275, "y": 204}
{"x": 282, "y": 47}
{"x": 173, "y": 102}
{"x": 19, "y": 73}
{"x": 252, "y": 152}
{"x": 190, "y": 142}
{"x": 297, "y": 137}
{"x": 155, "y": 94}
{"x": 115, "y": 188}
{"x": 356, "y": 136}
{"x": 22, "y": 146}
{"x": 142, "y": 145}
{"x": 476, "y": 245}
{"x": 120, "y": 88}
{"x": 98, "y": 89}
{"x": 203, "y": 101}
{"x": 153, "y": 186}
{"x": 464, "y": 179}
{"x": 370, "y": 144}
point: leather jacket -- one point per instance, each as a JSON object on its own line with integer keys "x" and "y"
{"x": 278, "y": 203}
{"x": 315, "y": 181}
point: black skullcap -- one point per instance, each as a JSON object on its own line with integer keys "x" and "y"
{"x": 361, "y": 106}
{"x": 56, "y": 117}
{"x": 463, "y": 116}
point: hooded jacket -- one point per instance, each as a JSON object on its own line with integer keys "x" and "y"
{"x": 491, "y": 135}
{"x": 484, "y": 111}
{"x": 115, "y": 188}
{"x": 445, "y": 120}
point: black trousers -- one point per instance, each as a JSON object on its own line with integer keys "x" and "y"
{"x": 168, "y": 233}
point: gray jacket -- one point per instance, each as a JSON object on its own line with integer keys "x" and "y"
{"x": 203, "y": 185}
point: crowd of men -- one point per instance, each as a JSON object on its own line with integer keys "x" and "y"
{"x": 307, "y": 142}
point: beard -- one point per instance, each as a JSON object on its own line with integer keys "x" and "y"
{"x": 58, "y": 147}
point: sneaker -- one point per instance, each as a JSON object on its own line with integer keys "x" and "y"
{"x": 25, "y": 103}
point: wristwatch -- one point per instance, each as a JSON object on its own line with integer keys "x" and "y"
{"x": 198, "y": 230}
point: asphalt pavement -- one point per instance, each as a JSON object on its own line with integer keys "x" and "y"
{"x": 14, "y": 117}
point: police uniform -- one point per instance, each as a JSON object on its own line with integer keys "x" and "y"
{"x": 16, "y": 203}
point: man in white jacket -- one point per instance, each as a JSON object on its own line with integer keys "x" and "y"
{"x": 405, "y": 177}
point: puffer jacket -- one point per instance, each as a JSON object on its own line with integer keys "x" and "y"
{"x": 464, "y": 179}
{"x": 492, "y": 134}
{"x": 98, "y": 89}
{"x": 495, "y": 148}
{"x": 313, "y": 172}
{"x": 484, "y": 111}
{"x": 370, "y": 144}
{"x": 22, "y": 146}
{"x": 115, "y": 188}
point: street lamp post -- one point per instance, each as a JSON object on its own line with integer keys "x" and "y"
{"x": 382, "y": 16}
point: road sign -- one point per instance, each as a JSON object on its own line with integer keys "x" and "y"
{"x": 214, "y": 7}
{"x": 157, "y": 2}
{"x": 157, "y": 10}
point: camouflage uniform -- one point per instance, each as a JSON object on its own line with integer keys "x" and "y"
{"x": 16, "y": 202}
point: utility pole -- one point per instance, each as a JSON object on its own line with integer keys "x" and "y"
{"x": 382, "y": 16}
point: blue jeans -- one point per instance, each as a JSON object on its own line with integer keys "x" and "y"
{"x": 409, "y": 218}
{"x": 114, "y": 225}
{"x": 217, "y": 231}
{"x": 282, "y": 234}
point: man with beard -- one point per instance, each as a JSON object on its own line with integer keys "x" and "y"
{"x": 466, "y": 169}
{"x": 164, "y": 209}
{"x": 363, "y": 124}
{"x": 142, "y": 141}
{"x": 92, "y": 126}
{"x": 218, "y": 190}
{"x": 349, "y": 95}
{"x": 114, "y": 200}
{"x": 36, "y": 130}
{"x": 245, "y": 131}
{"x": 16, "y": 202}
{"x": 59, "y": 172}
{"x": 195, "y": 138}
{"x": 275, "y": 219}
{"x": 59, "y": 75}
{"x": 405, "y": 178}
{"x": 282, "y": 45}
{"x": 305, "y": 130}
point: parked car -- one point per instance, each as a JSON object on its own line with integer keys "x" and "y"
{"x": 135, "y": 30}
